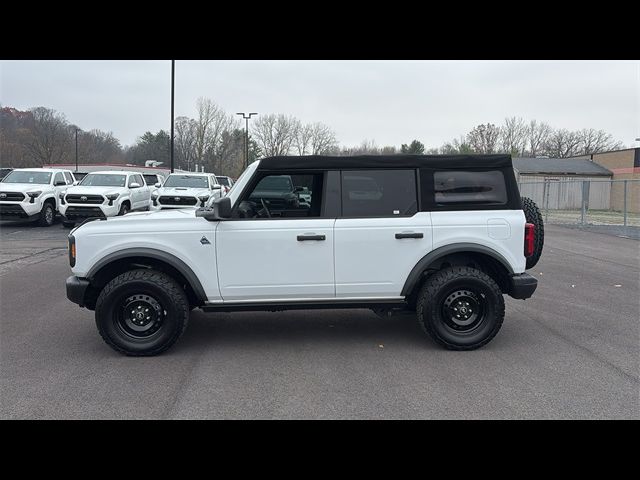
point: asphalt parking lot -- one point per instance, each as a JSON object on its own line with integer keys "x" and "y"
{"x": 572, "y": 351}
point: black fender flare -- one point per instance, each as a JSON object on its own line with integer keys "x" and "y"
{"x": 165, "y": 257}
{"x": 429, "y": 258}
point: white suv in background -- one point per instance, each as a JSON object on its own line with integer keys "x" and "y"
{"x": 32, "y": 193}
{"x": 104, "y": 194}
{"x": 184, "y": 190}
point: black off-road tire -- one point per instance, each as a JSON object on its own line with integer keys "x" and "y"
{"x": 124, "y": 209}
{"x": 144, "y": 284}
{"x": 443, "y": 286}
{"x": 47, "y": 215}
{"x": 533, "y": 215}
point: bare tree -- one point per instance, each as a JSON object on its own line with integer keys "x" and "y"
{"x": 513, "y": 136}
{"x": 50, "y": 136}
{"x": 537, "y": 135}
{"x": 323, "y": 139}
{"x": 562, "y": 143}
{"x": 484, "y": 138}
{"x": 97, "y": 146}
{"x": 210, "y": 124}
{"x": 275, "y": 134}
{"x": 185, "y": 141}
{"x": 595, "y": 141}
{"x": 302, "y": 141}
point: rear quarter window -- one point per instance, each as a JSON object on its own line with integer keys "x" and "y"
{"x": 379, "y": 193}
{"x": 458, "y": 187}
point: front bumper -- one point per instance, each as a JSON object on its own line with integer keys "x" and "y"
{"x": 76, "y": 289}
{"x": 19, "y": 209}
{"x": 72, "y": 212}
{"x": 522, "y": 286}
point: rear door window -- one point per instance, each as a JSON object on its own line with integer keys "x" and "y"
{"x": 379, "y": 193}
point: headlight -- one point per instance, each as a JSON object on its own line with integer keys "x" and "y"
{"x": 61, "y": 197}
{"x": 33, "y": 195}
{"x": 111, "y": 197}
{"x": 204, "y": 199}
{"x": 154, "y": 196}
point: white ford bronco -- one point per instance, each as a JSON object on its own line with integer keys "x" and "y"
{"x": 442, "y": 236}
{"x": 32, "y": 194}
{"x": 104, "y": 194}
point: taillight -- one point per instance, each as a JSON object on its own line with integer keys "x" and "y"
{"x": 529, "y": 237}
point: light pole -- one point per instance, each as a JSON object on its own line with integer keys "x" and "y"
{"x": 173, "y": 76}
{"x": 246, "y": 136}
{"x": 76, "y": 149}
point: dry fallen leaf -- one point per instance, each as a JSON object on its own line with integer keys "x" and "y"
{"x": 381, "y": 346}
{"x": 573, "y": 286}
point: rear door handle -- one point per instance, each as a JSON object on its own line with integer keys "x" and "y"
{"x": 409, "y": 235}
{"x": 303, "y": 238}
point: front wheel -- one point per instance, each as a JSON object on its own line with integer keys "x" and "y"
{"x": 461, "y": 308}
{"x": 47, "y": 215}
{"x": 142, "y": 312}
{"x": 124, "y": 209}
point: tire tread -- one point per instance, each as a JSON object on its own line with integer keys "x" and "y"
{"x": 436, "y": 282}
{"x": 162, "y": 280}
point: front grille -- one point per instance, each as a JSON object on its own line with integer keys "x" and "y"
{"x": 168, "y": 200}
{"x": 12, "y": 210}
{"x": 84, "y": 212}
{"x": 11, "y": 197}
{"x": 88, "y": 199}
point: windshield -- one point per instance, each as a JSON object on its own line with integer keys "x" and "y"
{"x": 103, "y": 180}
{"x": 223, "y": 181}
{"x": 188, "y": 181}
{"x": 23, "y": 176}
{"x": 281, "y": 183}
{"x": 17, "y": 176}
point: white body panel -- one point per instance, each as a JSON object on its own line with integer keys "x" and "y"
{"x": 176, "y": 232}
{"x": 262, "y": 259}
{"x": 499, "y": 230}
{"x": 370, "y": 261}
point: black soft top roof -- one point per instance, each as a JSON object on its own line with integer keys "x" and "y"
{"x": 325, "y": 162}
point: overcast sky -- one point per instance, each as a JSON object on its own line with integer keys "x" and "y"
{"x": 391, "y": 102}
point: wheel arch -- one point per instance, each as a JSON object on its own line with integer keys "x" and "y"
{"x": 490, "y": 259}
{"x": 119, "y": 262}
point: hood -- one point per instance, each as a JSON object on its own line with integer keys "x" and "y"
{"x": 23, "y": 187}
{"x": 84, "y": 190}
{"x": 183, "y": 192}
{"x": 151, "y": 221}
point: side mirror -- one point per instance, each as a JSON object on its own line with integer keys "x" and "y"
{"x": 158, "y": 185}
{"x": 60, "y": 183}
{"x": 134, "y": 185}
{"x": 220, "y": 209}
{"x": 77, "y": 182}
{"x": 217, "y": 187}
{"x": 298, "y": 189}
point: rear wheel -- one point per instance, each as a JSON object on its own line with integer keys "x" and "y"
{"x": 533, "y": 215}
{"x": 461, "y": 308}
{"x": 142, "y": 312}
{"x": 47, "y": 215}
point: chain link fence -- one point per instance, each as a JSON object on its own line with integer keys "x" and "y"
{"x": 586, "y": 202}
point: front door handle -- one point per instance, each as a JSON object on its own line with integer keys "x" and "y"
{"x": 303, "y": 238}
{"x": 409, "y": 235}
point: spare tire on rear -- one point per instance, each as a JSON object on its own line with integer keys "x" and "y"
{"x": 533, "y": 215}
